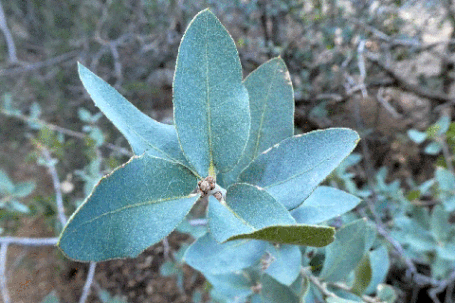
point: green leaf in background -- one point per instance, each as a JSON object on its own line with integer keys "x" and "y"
{"x": 446, "y": 179}
{"x": 106, "y": 297}
{"x": 142, "y": 132}
{"x": 285, "y": 263}
{"x": 379, "y": 262}
{"x": 6, "y": 185}
{"x": 272, "y": 112}
{"x": 323, "y": 204}
{"x": 446, "y": 251}
{"x": 15, "y": 205}
{"x": 50, "y": 298}
{"x": 209, "y": 256}
{"x": 308, "y": 235}
{"x": 273, "y": 292}
{"x": 134, "y": 207}
{"x": 363, "y": 275}
{"x": 211, "y": 107}
{"x": 417, "y": 136}
{"x": 433, "y": 148}
{"x": 440, "y": 226}
{"x": 23, "y": 189}
{"x": 292, "y": 169}
{"x": 232, "y": 285}
{"x": 343, "y": 255}
{"x": 386, "y": 293}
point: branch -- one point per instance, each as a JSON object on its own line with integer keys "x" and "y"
{"x": 57, "y": 186}
{"x": 38, "y": 65}
{"x": 12, "y": 57}
{"x": 3, "y": 283}
{"x": 28, "y": 241}
{"x": 88, "y": 282}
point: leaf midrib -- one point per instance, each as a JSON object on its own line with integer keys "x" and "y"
{"x": 266, "y": 103}
{"x": 128, "y": 207}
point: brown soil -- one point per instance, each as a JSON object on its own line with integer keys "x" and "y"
{"x": 35, "y": 272}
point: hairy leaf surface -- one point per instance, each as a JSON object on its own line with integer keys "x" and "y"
{"x": 136, "y": 206}
{"x": 272, "y": 112}
{"x": 343, "y": 255}
{"x": 211, "y": 257}
{"x": 142, "y": 132}
{"x": 308, "y": 235}
{"x": 285, "y": 263}
{"x": 211, "y": 107}
{"x": 292, "y": 169}
{"x": 324, "y": 204}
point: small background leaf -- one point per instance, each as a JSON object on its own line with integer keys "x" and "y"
{"x": 379, "y": 262}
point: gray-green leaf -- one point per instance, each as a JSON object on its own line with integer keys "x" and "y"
{"x": 323, "y": 204}
{"x": 142, "y": 132}
{"x": 343, "y": 255}
{"x": 272, "y": 112}
{"x": 292, "y": 169}
{"x": 211, "y": 257}
{"x": 285, "y": 263}
{"x": 308, "y": 235}
{"x": 134, "y": 207}
{"x": 211, "y": 107}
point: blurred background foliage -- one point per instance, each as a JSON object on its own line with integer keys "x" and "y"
{"x": 385, "y": 68}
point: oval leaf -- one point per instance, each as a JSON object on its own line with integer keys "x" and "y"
{"x": 379, "y": 260}
{"x": 363, "y": 274}
{"x": 142, "y": 132}
{"x": 272, "y": 112}
{"x": 211, "y": 108}
{"x": 224, "y": 222}
{"x": 210, "y": 257}
{"x": 285, "y": 263}
{"x": 343, "y": 255}
{"x": 136, "y": 206}
{"x": 273, "y": 292}
{"x": 324, "y": 204}
{"x": 292, "y": 169}
{"x": 256, "y": 207}
{"x": 308, "y": 235}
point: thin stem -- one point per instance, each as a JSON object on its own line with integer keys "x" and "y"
{"x": 3, "y": 282}
{"x": 28, "y": 241}
{"x": 57, "y": 186}
{"x": 88, "y": 282}
{"x": 12, "y": 56}
{"x": 198, "y": 222}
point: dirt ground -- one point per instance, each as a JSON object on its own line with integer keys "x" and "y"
{"x": 35, "y": 272}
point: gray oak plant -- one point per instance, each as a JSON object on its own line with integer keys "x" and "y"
{"x": 232, "y": 145}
